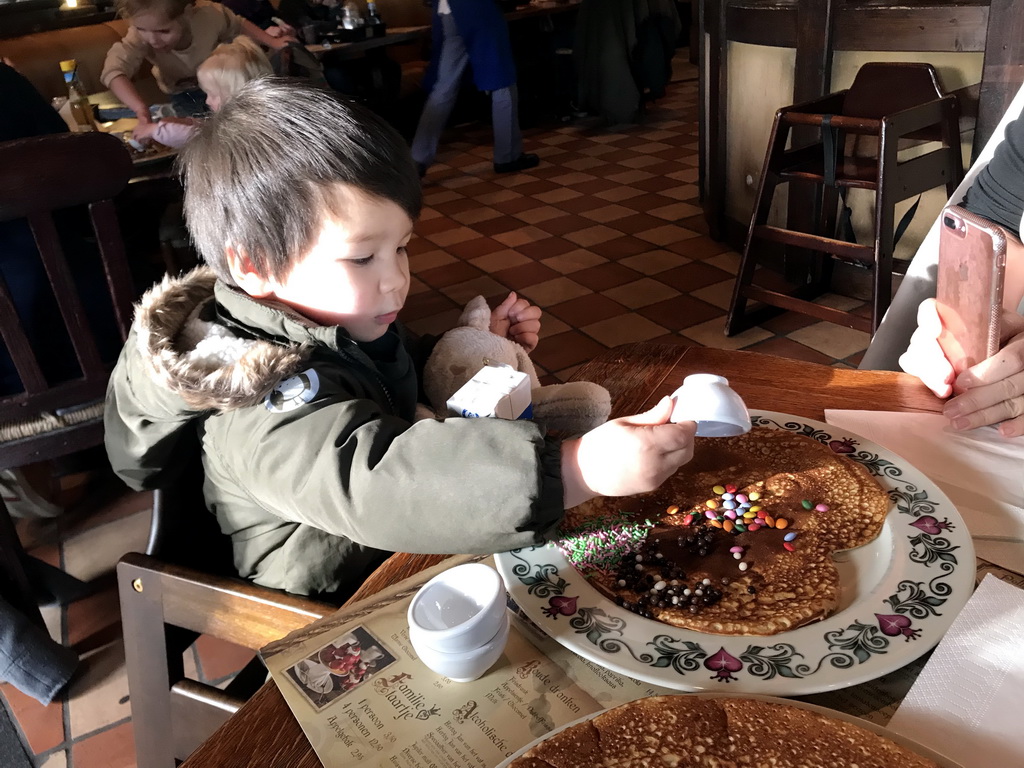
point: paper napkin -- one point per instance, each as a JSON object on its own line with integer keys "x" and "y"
{"x": 981, "y": 471}
{"x": 968, "y": 700}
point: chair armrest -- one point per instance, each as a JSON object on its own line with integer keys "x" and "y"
{"x": 228, "y": 608}
{"x": 928, "y": 115}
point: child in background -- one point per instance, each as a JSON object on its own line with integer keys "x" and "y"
{"x": 229, "y": 67}
{"x": 175, "y": 36}
{"x": 282, "y": 363}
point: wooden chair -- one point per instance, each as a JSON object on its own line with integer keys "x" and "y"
{"x": 39, "y": 177}
{"x": 888, "y": 102}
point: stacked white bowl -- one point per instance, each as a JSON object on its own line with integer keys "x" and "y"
{"x": 458, "y": 623}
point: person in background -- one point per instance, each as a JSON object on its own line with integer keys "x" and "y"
{"x": 284, "y": 366}
{"x": 29, "y": 658}
{"x": 263, "y": 15}
{"x": 471, "y": 32}
{"x": 175, "y": 36}
{"x": 228, "y": 68}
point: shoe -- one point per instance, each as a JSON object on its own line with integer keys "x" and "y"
{"x": 521, "y": 163}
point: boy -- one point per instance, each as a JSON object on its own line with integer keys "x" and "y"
{"x": 285, "y": 360}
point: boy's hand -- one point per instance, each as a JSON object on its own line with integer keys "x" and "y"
{"x": 630, "y": 455}
{"x": 993, "y": 390}
{"x": 518, "y": 320}
{"x": 924, "y": 357}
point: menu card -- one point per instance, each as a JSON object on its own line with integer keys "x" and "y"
{"x": 363, "y": 697}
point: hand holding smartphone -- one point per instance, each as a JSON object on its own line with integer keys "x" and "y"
{"x": 969, "y": 288}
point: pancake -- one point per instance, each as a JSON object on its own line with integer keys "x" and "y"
{"x": 679, "y": 556}
{"x": 700, "y": 732}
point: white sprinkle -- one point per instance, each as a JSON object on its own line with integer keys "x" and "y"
{"x": 622, "y": 582}
{"x": 639, "y": 558}
{"x": 744, "y": 566}
{"x": 698, "y": 592}
{"x": 707, "y": 582}
{"x": 737, "y": 555}
{"x": 674, "y": 582}
{"x": 659, "y": 555}
{"x": 675, "y": 601}
{"x": 638, "y": 567}
{"x": 660, "y": 585}
{"x": 686, "y": 592}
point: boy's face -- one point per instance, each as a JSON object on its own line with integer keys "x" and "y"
{"x": 160, "y": 32}
{"x": 356, "y": 275}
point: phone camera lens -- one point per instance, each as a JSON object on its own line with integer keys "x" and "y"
{"x": 949, "y": 222}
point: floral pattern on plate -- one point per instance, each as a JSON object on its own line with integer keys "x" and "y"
{"x": 909, "y": 585}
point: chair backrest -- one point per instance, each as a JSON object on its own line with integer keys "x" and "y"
{"x": 882, "y": 88}
{"x": 47, "y": 180}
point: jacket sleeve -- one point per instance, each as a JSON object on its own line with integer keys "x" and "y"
{"x": 174, "y": 134}
{"x": 124, "y": 58}
{"x": 454, "y": 486}
{"x": 148, "y": 446}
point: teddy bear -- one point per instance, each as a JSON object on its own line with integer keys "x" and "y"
{"x": 570, "y": 409}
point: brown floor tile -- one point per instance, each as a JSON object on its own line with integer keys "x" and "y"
{"x": 518, "y": 278}
{"x": 471, "y": 249}
{"x": 691, "y": 276}
{"x": 565, "y": 349}
{"x": 587, "y": 309}
{"x": 605, "y": 276}
{"x": 113, "y": 748}
{"x": 622, "y": 247}
{"x": 546, "y": 248}
{"x": 637, "y": 222}
{"x": 698, "y": 247}
{"x": 42, "y": 727}
{"x": 498, "y": 226}
{"x": 451, "y": 273}
{"x": 680, "y": 312}
{"x": 563, "y": 224}
{"x": 424, "y": 304}
{"x": 780, "y": 346}
{"x": 440, "y": 224}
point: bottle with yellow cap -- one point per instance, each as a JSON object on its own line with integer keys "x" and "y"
{"x": 78, "y": 100}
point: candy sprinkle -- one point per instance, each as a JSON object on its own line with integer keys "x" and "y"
{"x": 744, "y": 566}
{"x": 730, "y": 488}
{"x": 688, "y": 519}
{"x": 806, "y": 504}
{"x": 711, "y": 503}
{"x": 789, "y": 536}
{"x": 788, "y": 547}
{"x": 781, "y": 523}
{"x": 754, "y": 495}
{"x": 674, "y": 509}
{"x": 735, "y": 549}
{"x": 821, "y": 508}
{"x": 719, "y": 489}
{"x": 602, "y": 542}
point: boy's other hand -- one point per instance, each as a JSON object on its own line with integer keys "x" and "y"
{"x": 518, "y": 320}
{"x": 630, "y": 455}
{"x": 993, "y": 390}
{"x": 924, "y": 357}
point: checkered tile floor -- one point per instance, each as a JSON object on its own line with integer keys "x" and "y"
{"x": 606, "y": 236}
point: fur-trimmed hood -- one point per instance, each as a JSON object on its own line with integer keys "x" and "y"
{"x": 196, "y": 355}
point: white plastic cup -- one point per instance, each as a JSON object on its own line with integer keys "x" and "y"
{"x": 460, "y": 609}
{"x": 708, "y": 400}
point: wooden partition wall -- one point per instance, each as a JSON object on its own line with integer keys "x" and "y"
{"x": 822, "y": 32}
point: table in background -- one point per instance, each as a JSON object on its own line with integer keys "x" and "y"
{"x": 264, "y": 731}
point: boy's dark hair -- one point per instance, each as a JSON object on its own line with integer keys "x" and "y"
{"x": 172, "y": 9}
{"x": 260, "y": 174}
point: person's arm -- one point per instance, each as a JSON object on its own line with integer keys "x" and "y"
{"x": 991, "y": 392}
{"x": 260, "y": 36}
{"x": 122, "y": 62}
{"x": 170, "y": 131}
{"x": 124, "y": 89}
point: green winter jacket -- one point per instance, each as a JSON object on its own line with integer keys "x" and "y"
{"x": 309, "y": 447}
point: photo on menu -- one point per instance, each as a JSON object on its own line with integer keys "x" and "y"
{"x": 339, "y": 667}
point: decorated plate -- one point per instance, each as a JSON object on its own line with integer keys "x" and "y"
{"x": 900, "y": 593}
{"x": 913, "y": 746}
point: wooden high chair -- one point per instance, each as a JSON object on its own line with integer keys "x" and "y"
{"x": 887, "y": 102}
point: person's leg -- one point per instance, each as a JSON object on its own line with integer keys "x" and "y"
{"x": 442, "y": 97}
{"x": 508, "y": 141}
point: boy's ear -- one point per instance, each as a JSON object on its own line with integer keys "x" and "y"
{"x": 244, "y": 273}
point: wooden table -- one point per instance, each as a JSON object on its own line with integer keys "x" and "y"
{"x": 264, "y": 732}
